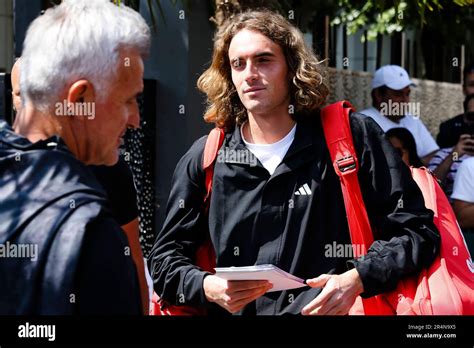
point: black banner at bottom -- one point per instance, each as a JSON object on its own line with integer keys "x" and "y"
{"x": 288, "y": 331}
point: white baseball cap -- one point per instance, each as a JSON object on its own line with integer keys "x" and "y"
{"x": 392, "y": 76}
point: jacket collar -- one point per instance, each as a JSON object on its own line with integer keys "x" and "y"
{"x": 303, "y": 137}
{"x": 16, "y": 141}
{"x": 298, "y": 154}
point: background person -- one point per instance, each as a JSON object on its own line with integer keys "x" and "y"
{"x": 403, "y": 141}
{"x": 451, "y": 130}
{"x": 117, "y": 180}
{"x": 463, "y": 200}
{"x": 390, "y": 93}
{"x": 445, "y": 162}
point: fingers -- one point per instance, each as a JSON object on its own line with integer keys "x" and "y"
{"x": 318, "y": 281}
{"x": 237, "y": 305}
{"x": 337, "y": 296}
{"x": 465, "y": 145}
{"x": 467, "y": 148}
{"x": 234, "y": 296}
{"x": 336, "y": 305}
{"x": 466, "y": 141}
{"x": 309, "y": 308}
{"x": 342, "y": 311}
{"x": 322, "y": 297}
{"x": 325, "y": 310}
{"x": 240, "y": 293}
{"x": 319, "y": 301}
{"x": 329, "y": 308}
{"x": 242, "y": 285}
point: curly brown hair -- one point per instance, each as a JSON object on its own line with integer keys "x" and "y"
{"x": 308, "y": 86}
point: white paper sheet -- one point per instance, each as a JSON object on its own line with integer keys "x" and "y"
{"x": 280, "y": 279}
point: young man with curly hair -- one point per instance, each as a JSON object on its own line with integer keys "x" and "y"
{"x": 265, "y": 88}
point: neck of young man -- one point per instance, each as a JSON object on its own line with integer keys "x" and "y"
{"x": 269, "y": 127}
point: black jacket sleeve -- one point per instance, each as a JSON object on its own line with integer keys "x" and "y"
{"x": 406, "y": 239}
{"x": 175, "y": 277}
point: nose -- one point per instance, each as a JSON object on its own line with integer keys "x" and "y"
{"x": 251, "y": 72}
{"x": 134, "y": 118}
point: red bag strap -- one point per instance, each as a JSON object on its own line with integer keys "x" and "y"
{"x": 337, "y": 131}
{"x": 214, "y": 142}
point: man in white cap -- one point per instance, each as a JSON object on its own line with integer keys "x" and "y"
{"x": 391, "y": 108}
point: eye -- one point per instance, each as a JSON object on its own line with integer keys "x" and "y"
{"x": 237, "y": 63}
{"x": 134, "y": 99}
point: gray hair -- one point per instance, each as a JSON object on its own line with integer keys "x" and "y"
{"x": 79, "y": 39}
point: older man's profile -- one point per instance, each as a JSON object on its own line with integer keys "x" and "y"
{"x": 74, "y": 55}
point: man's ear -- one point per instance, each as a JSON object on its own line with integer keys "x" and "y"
{"x": 377, "y": 97}
{"x": 81, "y": 91}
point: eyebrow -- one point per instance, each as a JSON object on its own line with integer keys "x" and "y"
{"x": 258, "y": 55}
{"x": 264, "y": 54}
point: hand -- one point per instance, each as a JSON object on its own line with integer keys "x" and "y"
{"x": 465, "y": 145}
{"x": 233, "y": 295}
{"x": 338, "y": 295}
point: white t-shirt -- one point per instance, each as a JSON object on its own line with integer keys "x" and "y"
{"x": 464, "y": 184}
{"x": 271, "y": 155}
{"x": 425, "y": 144}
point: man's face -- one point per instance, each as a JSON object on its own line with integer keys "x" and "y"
{"x": 259, "y": 72}
{"x": 400, "y": 96}
{"x": 101, "y": 136}
{"x": 397, "y": 144}
{"x": 468, "y": 87}
{"x": 15, "y": 79}
{"x": 396, "y": 97}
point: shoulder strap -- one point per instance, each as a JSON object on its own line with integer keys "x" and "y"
{"x": 337, "y": 131}
{"x": 214, "y": 142}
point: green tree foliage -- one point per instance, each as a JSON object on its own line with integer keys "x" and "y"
{"x": 452, "y": 19}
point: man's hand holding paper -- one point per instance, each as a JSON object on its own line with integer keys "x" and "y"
{"x": 234, "y": 287}
{"x": 233, "y": 295}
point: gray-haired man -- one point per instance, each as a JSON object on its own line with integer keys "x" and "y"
{"x": 81, "y": 71}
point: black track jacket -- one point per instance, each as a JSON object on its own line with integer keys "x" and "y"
{"x": 52, "y": 206}
{"x": 255, "y": 218}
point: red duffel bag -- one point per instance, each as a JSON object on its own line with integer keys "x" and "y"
{"x": 446, "y": 287}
